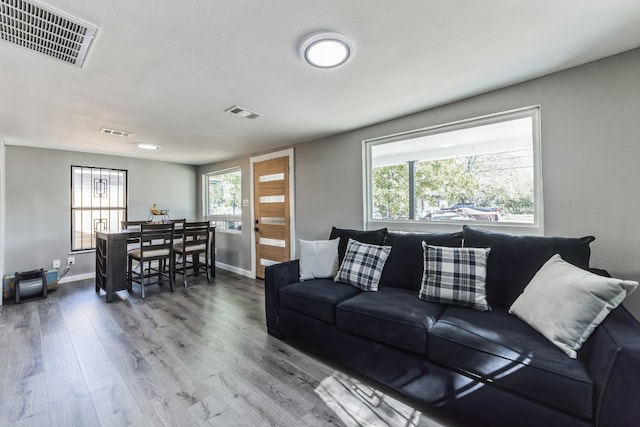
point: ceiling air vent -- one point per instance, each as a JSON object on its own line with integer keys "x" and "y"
{"x": 115, "y": 132}
{"x": 44, "y": 30}
{"x": 243, "y": 112}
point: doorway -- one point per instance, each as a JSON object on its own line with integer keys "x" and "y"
{"x": 273, "y": 207}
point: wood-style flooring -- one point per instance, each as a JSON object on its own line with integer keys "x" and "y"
{"x": 196, "y": 356}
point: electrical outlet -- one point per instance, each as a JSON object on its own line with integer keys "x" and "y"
{"x": 56, "y": 263}
{"x": 71, "y": 260}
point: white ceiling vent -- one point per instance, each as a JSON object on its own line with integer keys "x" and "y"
{"x": 243, "y": 112}
{"x": 44, "y": 30}
{"x": 115, "y": 132}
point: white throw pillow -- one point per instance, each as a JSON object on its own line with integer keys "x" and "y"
{"x": 318, "y": 258}
{"x": 566, "y": 303}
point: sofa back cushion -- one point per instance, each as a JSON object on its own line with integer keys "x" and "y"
{"x": 514, "y": 260}
{"x": 405, "y": 264}
{"x": 372, "y": 237}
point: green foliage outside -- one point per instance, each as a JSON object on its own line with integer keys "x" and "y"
{"x": 503, "y": 180}
{"x": 224, "y": 194}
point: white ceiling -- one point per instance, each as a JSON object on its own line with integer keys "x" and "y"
{"x": 166, "y": 70}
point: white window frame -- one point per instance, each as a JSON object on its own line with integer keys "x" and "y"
{"x": 205, "y": 205}
{"x": 537, "y": 227}
{"x": 84, "y": 200}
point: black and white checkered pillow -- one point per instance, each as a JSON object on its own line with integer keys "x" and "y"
{"x": 455, "y": 276}
{"x": 362, "y": 265}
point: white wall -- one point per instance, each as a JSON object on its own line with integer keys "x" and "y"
{"x": 38, "y": 183}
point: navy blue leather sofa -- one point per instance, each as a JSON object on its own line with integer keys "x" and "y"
{"x": 478, "y": 368}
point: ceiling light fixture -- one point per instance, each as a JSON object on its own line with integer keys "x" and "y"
{"x": 326, "y": 50}
{"x": 147, "y": 146}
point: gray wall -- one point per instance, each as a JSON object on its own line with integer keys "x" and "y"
{"x": 38, "y": 183}
{"x": 232, "y": 249}
{"x": 590, "y": 153}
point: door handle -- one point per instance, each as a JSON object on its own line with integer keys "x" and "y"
{"x": 256, "y": 229}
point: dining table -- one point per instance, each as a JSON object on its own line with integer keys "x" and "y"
{"x": 111, "y": 259}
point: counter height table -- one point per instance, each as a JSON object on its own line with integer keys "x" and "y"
{"x": 111, "y": 259}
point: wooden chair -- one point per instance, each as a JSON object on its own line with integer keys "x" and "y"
{"x": 177, "y": 234}
{"x": 195, "y": 241}
{"x": 132, "y": 243}
{"x": 156, "y": 244}
{"x": 125, "y": 225}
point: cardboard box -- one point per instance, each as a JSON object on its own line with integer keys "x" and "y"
{"x": 52, "y": 279}
{"x": 8, "y": 290}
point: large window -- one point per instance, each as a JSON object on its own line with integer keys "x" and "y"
{"x": 98, "y": 202}
{"x": 483, "y": 170}
{"x": 223, "y": 201}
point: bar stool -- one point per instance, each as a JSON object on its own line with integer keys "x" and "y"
{"x": 195, "y": 241}
{"x": 156, "y": 244}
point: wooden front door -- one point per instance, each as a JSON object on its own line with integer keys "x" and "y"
{"x": 271, "y": 208}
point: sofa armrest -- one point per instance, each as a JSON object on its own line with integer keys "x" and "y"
{"x": 276, "y": 277}
{"x": 612, "y": 357}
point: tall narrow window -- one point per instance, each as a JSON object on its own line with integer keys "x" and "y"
{"x": 98, "y": 202}
{"x": 483, "y": 170}
{"x": 223, "y": 199}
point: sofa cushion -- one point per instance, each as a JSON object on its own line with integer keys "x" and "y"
{"x": 514, "y": 260}
{"x": 316, "y": 298}
{"x": 455, "y": 276}
{"x": 362, "y": 265}
{"x": 372, "y": 237}
{"x": 393, "y": 316}
{"x": 566, "y": 303}
{"x": 404, "y": 266}
{"x": 501, "y": 349}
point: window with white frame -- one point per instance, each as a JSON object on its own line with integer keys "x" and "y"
{"x": 481, "y": 170}
{"x": 98, "y": 203}
{"x": 223, "y": 201}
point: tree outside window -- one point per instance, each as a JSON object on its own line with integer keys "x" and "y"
{"x": 480, "y": 170}
{"x": 224, "y": 199}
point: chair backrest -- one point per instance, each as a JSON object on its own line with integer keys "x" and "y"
{"x": 196, "y": 233}
{"x": 177, "y": 234}
{"x": 132, "y": 225}
{"x": 155, "y": 237}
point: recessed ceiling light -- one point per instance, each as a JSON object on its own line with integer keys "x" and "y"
{"x": 147, "y": 146}
{"x": 326, "y": 50}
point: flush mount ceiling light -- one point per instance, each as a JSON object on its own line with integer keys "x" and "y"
{"x": 147, "y": 146}
{"x": 326, "y": 50}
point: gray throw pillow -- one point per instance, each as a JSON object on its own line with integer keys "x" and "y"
{"x": 566, "y": 303}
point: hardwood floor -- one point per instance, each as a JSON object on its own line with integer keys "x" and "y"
{"x": 197, "y": 356}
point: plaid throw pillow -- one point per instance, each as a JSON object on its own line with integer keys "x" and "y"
{"x": 455, "y": 276}
{"x": 362, "y": 265}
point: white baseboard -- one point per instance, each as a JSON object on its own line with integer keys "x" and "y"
{"x": 235, "y": 269}
{"x": 67, "y": 279}
{"x": 222, "y": 266}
